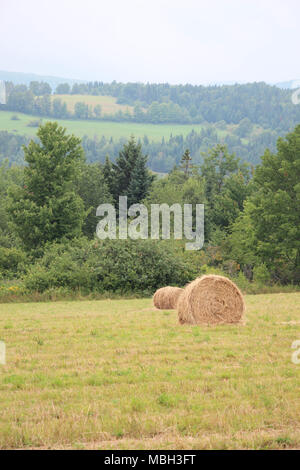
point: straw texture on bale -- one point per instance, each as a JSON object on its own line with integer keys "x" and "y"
{"x": 211, "y": 300}
{"x": 166, "y": 298}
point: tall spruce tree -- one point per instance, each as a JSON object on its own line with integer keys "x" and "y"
{"x": 186, "y": 164}
{"x": 130, "y": 166}
{"x": 107, "y": 172}
{"x": 140, "y": 181}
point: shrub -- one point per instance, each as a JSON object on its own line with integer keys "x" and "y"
{"x": 35, "y": 123}
{"x": 12, "y": 262}
{"x": 119, "y": 266}
{"x": 261, "y": 274}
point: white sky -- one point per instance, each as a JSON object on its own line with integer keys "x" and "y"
{"x": 194, "y": 41}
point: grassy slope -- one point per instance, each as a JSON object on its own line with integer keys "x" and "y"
{"x": 108, "y": 103}
{"x": 99, "y": 128}
{"x": 118, "y": 374}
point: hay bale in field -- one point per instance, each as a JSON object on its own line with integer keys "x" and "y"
{"x": 166, "y": 298}
{"x": 211, "y": 300}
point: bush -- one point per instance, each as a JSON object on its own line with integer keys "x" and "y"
{"x": 261, "y": 274}
{"x": 119, "y": 266}
{"x": 35, "y": 123}
{"x": 12, "y": 262}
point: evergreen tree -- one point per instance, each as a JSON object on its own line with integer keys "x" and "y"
{"x": 124, "y": 171}
{"x": 186, "y": 163}
{"x": 107, "y": 172}
{"x": 47, "y": 208}
{"x": 140, "y": 182}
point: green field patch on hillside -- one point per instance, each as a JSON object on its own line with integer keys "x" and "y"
{"x": 91, "y": 128}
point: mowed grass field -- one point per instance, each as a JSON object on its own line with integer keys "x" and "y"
{"x": 121, "y": 375}
{"x": 108, "y": 129}
{"x": 108, "y": 104}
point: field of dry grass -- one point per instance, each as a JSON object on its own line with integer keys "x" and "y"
{"x": 108, "y": 103}
{"x": 121, "y": 375}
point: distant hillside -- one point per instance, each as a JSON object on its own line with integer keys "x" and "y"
{"x": 291, "y": 85}
{"x": 108, "y": 104}
{"x": 25, "y": 78}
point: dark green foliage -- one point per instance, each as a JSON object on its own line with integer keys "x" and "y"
{"x": 253, "y": 103}
{"x": 163, "y": 155}
{"x": 140, "y": 182}
{"x": 11, "y": 147}
{"x": 12, "y": 262}
{"x": 63, "y": 89}
{"x": 262, "y": 104}
{"x": 81, "y": 110}
{"x": 130, "y": 175}
{"x": 40, "y": 88}
{"x": 268, "y": 231}
{"x": 93, "y": 190}
{"x": 59, "y": 109}
{"x": 120, "y": 266}
{"x": 47, "y": 208}
{"x": 186, "y": 163}
{"x": 107, "y": 171}
{"x": 226, "y": 188}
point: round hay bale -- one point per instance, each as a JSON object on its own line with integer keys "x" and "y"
{"x": 211, "y": 300}
{"x": 166, "y": 298}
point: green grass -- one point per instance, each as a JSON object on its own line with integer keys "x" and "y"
{"x": 118, "y": 374}
{"x": 97, "y": 128}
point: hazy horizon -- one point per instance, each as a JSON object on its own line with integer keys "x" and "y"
{"x": 198, "y": 43}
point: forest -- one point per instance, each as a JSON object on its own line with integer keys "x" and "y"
{"x": 262, "y": 104}
{"x": 48, "y": 217}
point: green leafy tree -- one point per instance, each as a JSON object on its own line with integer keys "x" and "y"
{"x": 217, "y": 165}
{"x": 98, "y": 111}
{"x": 40, "y": 88}
{"x": 81, "y": 110}
{"x": 94, "y": 191}
{"x": 59, "y": 108}
{"x": 47, "y": 208}
{"x": 275, "y": 210}
{"x": 268, "y": 231}
{"x": 226, "y": 181}
{"x": 63, "y": 89}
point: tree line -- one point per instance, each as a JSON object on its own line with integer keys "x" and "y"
{"x": 163, "y": 154}
{"x": 48, "y": 216}
{"x": 262, "y": 104}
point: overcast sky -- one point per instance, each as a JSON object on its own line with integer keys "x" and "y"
{"x": 187, "y": 41}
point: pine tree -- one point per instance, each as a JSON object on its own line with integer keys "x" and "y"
{"x": 140, "y": 181}
{"x": 108, "y": 173}
{"x": 125, "y": 172}
{"x": 186, "y": 163}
